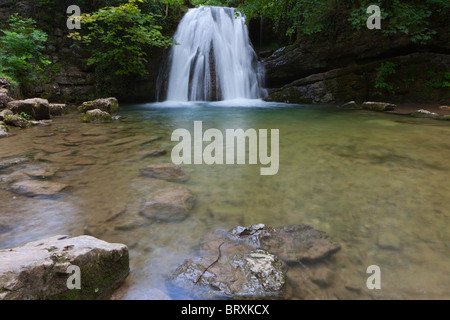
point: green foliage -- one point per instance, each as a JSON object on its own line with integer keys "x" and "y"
{"x": 412, "y": 17}
{"x": 120, "y": 37}
{"x": 25, "y": 116}
{"x": 438, "y": 80}
{"x": 21, "y": 47}
{"x": 383, "y": 72}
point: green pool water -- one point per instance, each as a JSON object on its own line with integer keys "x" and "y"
{"x": 376, "y": 183}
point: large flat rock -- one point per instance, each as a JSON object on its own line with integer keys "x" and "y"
{"x": 39, "y": 269}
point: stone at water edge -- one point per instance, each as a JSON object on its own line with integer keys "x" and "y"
{"x": 5, "y": 113}
{"x": 17, "y": 121}
{"x": 38, "y": 270}
{"x": 97, "y": 115}
{"x": 171, "y": 204}
{"x": 378, "y": 106}
{"x": 37, "y": 108}
{"x": 350, "y": 105}
{"x": 165, "y": 171}
{"x": 57, "y": 109}
{"x": 256, "y": 274}
{"x": 109, "y": 105}
{"x": 3, "y": 130}
{"x": 424, "y": 114}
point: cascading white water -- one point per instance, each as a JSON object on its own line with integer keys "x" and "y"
{"x": 213, "y": 58}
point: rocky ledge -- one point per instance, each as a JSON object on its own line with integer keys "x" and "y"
{"x": 40, "y": 269}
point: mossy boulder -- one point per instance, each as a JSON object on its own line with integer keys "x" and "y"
{"x": 424, "y": 114}
{"x": 3, "y": 130}
{"x": 97, "y": 115}
{"x": 110, "y": 105}
{"x": 39, "y": 269}
{"x": 17, "y": 121}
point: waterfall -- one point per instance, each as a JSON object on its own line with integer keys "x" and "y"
{"x": 212, "y": 60}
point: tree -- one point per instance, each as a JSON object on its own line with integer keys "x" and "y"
{"x": 21, "y": 51}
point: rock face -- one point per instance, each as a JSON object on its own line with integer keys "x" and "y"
{"x": 256, "y": 274}
{"x": 39, "y": 270}
{"x": 97, "y": 115}
{"x": 324, "y": 81}
{"x": 109, "y": 105}
{"x": 172, "y": 204}
{"x": 37, "y": 108}
{"x": 165, "y": 171}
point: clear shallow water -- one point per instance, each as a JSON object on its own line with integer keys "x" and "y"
{"x": 376, "y": 183}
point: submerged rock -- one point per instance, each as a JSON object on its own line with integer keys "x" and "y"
{"x": 165, "y": 171}
{"x": 172, "y": 204}
{"x": 255, "y": 274}
{"x": 33, "y": 188}
{"x": 97, "y": 115}
{"x": 39, "y": 270}
{"x": 37, "y": 108}
{"x": 109, "y": 105}
{"x": 8, "y": 162}
{"x": 291, "y": 243}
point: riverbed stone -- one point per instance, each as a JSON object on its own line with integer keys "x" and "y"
{"x": 37, "y": 108}
{"x": 291, "y": 243}
{"x": 257, "y": 274}
{"x": 165, "y": 171}
{"x": 109, "y": 105}
{"x": 171, "y": 204}
{"x": 34, "y": 188}
{"x": 38, "y": 270}
{"x": 97, "y": 115}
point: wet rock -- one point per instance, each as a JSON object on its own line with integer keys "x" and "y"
{"x": 37, "y": 108}
{"x": 38, "y": 270}
{"x": 97, "y": 115}
{"x": 8, "y": 162}
{"x": 350, "y": 105}
{"x": 424, "y": 114}
{"x": 156, "y": 152}
{"x": 109, "y": 105}
{"x": 256, "y": 274}
{"x": 5, "y": 113}
{"x": 33, "y": 188}
{"x": 290, "y": 243}
{"x": 172, "y": 204}
{"x": 165, "y": 171}
{"x": 17, "y": 121}
{"x": 3, "y": 130}
{"x": 378, "y": 106}
{"x": 57, "y": 109}
{"x": 38, "y": 172}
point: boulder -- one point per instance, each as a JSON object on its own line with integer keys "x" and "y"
{"x": 57, "y": 109}
{"x": 291, "y": 243}
{"x": 378, "y": 106}
{"x": 165, "y": 171}
{"x": 37, "y": 108}
{"x": 17, "y": 121}
{"x": 350, "y": 105}
{"x": 110, "y": 105}
{"x": 3, "y": 130}
{"x": 4, "y": 97}
{"x": 5, "y": 113}
{"x": 97, "y": 115}
{"x": 171, "y": 204}
{"x": 256, "y": 274}
{"x": 40, "y": 269}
